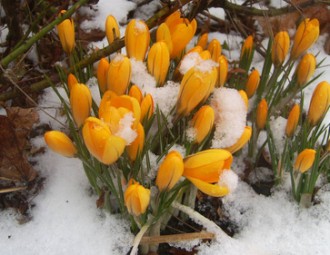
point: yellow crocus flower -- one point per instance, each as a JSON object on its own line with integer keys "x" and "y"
{"x": 147, "y": 107}
{"x": 136, "y": 198}
{"x": 306, "y": 35}
{"x": 60, "y": 143}
{"x": 195, "y": 88}
{"x": 252, "y": 83}
{"x": 100, "y": 142}
{"x": 66, "y": 34}
{"x": 320, "y": 103}
{"x": 101, "y": 74}
{"x": 305, "y": 69}
{"x": 293, "y": 120}
{"x": 304, "y": 160}
{"x": 203, "y": 122}
{"x": 170, "y": 171}
{"x": 159, "y": 62}
{"x": 111, "y": 29}
{"x": 280, "y": 47}
{"x": 137, "y": 38}
{"x": 81, "y": 103}
{"x": 182, "y": 31}
{"x": 223, "y": 71}
{"x": 262, "y": 112}
{"x": 119, "y": 74}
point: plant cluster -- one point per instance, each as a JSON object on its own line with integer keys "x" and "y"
{"x": 143, "y": 160}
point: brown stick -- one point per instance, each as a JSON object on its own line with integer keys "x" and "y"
{"x": 176, "y": 238}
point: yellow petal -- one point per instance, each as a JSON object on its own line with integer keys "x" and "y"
{"x": 252, "y": 83}
{"x": 213, "y": 190}
{"x": 66, "y": 34}
{"x": 223, "y": 71}
{"x": 136, "y": 147}
{"x": 262, "y": 112}
{"x": 135, "y": 92}
{"x": 293, "y": 120}
{"x": 102, "y": 70}
{"x": 72, "y": 80}
{"x": 245, "y": 137}
{"x": 147, "y": 107}
{"x": 215, "y": 49}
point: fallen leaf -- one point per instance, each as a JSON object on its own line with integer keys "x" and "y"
{"x": 13, "y": 164}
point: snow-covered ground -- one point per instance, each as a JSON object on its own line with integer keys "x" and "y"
{"x": 65, "y": 219}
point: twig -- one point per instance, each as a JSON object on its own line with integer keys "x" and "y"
{"x": 8, "y": 190}
{"x": 97, "y": 55}
{"x": 176, "y": 237}
{"x": 251, "y": 11}
{"x": 28, "y": 44}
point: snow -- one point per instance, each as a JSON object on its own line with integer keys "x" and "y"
{"x": 65, "y": 219}
{"x": 230, "y": 117}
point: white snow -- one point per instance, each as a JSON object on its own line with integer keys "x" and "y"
{"x": 65, "y": 219}
{"x": 230, "y": 117}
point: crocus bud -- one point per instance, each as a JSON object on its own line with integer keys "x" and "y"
{"x": 304, "y": 160}
{"x": 252, "y": 83}
{"x": 147, "y": 107}
{"x": 81, "y": 103}
{"x": 205, "y": 168}
{"x": 306, "y": 69}
{"x": 119, "y": 74}
{"x": 247, "y": 49}
{"x": 100, "y": 142}
{"x": 66, "y": 33}
{"x": 203, "y": 122}
{"x": 306, "y": 35}
{"x": 72, "y": 80}
{"x": 170, "y": 171}
{"x": 136, "y": 198}
{"x": 293, "y": 120}
{"x": 135, "y": 92}
{"x": 215, "y": 49}
{"x": 202, "y": 40}
{"x": 101, "y": 74}
{"x": 60, "y": 143}
{"x": 244, "y": 97}
{"x": 159, "y": 62}
{"x": 111, "y": 29}
{"x": 319, "y": 103}
{"x": 262, "y": 112}
{"x": 195, "y": 88}
{"x": 223, "y": 71}
{"x": 163, "y": 34}
{"x": 280, "y": 47}
{"x": 137, "y": 38}
{"x": 182, "y": 31}
{"x": 245, "y": 137}
{"x": 136, "y": 147}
